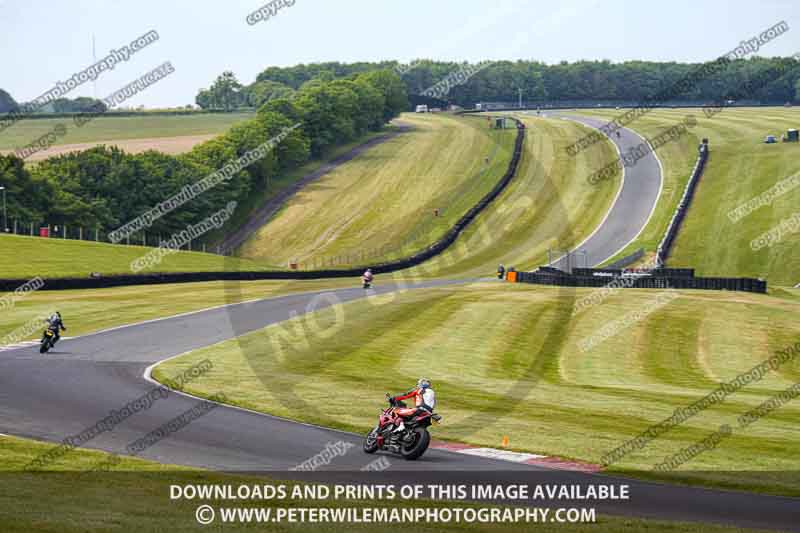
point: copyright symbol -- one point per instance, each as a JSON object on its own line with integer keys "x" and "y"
{"x": 204, "y": 515}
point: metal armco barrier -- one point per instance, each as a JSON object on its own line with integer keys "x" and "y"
{"x": 189, "y": 277}
{"x": 665, "y": 247}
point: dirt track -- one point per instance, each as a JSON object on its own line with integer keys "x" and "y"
{"x": 168, "y": 145}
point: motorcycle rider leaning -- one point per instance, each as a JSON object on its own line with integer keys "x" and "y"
{"x": 367, "y": 276}
{"x": 56, "y": 324}
{"x": 424, "y": 400}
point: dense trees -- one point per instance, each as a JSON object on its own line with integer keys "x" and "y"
{"x": 261, "y": 92}
{"x": 60, "y": 105}
{"x": 20, "y": 185}
{"x": 631, "y": 81}
{"x": 81, "y": 104}
{"x": 106, "y": 188}
{"x": 225, "y": 93}
{"x": 7, "y": 103}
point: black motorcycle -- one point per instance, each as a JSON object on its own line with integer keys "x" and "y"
{"x": 48, "y": 340}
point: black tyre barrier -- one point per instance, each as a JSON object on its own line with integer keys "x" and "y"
{"x": 191, "y": 277}
{"x": 645, "y": 282}
{"x": 655, "y": 272}
{"x": 665, "y": 247}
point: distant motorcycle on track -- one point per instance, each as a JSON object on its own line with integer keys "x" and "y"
{"x": 366, "y": 279}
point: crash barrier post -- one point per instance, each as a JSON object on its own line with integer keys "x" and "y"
{"x": 665, "y": 247}
{"x": 431, "y": 251}
{"x": 511, "y": 277}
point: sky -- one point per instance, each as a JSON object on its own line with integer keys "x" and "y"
{"x": 46, "y": 41}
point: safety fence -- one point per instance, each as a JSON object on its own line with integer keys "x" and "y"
{"x": 616, "y": 272}
{"x": 665, "y": 247}
{"x": 391, "y": 266}
{"x": 654, "y": 279}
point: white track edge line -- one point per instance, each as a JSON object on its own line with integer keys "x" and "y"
{"x": 655, "y": 203}
{"x": 616, "y": 197}
{"x": 203, "y": 310}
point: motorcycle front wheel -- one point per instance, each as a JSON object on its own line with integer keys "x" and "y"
{"x": 371, "y": 441}
{"x": 417, "y": 446}
{"x": 44, "y": 347}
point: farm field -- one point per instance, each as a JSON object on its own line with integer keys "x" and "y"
{"x": 168, "y": 145}
{"x": 740, "y": 168}
{"x": 105, "y": 129}
{"x": 511, "y": 360}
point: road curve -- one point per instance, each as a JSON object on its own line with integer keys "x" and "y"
{"x": 59, "y": 395}
{"x": 632, "y": 208}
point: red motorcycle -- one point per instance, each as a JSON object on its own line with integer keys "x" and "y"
{"x": 411, "y": 442}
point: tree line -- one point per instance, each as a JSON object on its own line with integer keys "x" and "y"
{"x": 501, "y": 81}
{"x": 105, "y": 187}
{"x": 81, "y": 104}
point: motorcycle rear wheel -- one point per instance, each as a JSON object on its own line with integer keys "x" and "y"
{"x": 371, "y": 441}
{"x": 422, "y": 440}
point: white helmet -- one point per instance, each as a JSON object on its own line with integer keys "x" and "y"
{"x": 423, "y": 383}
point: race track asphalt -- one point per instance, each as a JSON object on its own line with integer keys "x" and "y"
{"x": 61, "y": 394}
{"x": 636, "y": 199}
{"x": 70, "y": 389}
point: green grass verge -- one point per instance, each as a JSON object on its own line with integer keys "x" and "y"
{"x": 86, "y": 311}
{"x": 250, "y": 204}
{"x": 26, "y": 257}
{"x": 740, "y": 168}
{"x": 110, "y": 128}
{"x": 506, "y": 361}
{"x": 548, "y": 205}
{"x": 381, "y": 205}
{"x": 134, "y": 495}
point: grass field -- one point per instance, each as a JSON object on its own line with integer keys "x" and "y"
{"x": 249, "y": 205}
{"x": 134, "y": 495}
{"x": 548, "y": 205}
{"x": 381, "y": 206}
{"x": 740, "y": 168}
{"x": 110, "y": 128}
{"x": 506, "y": 360}
{"x": 86, "y": 311}
{"x": 25, "y": 257}
{"x": 63, "y": 258}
